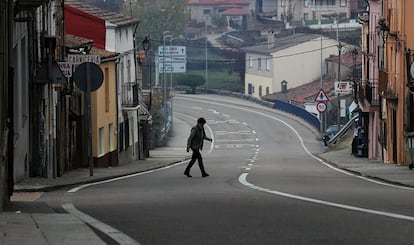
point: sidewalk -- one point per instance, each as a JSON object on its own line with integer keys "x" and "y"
{"x": 339, "y": 155}
{"x": 37, "y": 224}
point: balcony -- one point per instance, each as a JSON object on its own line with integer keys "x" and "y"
{"x": 129, "y": 96}
{"x": 366, "y": 99}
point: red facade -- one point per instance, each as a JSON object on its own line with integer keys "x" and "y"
{"x": 81, "y": 24}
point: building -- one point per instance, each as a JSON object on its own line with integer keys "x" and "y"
{"x": 201, "y": 10}
{"x": 104, "y": 113}
{"x": 287, "y": 10}
{"x": 114, "y": 32}
{"x": 368, "y": 94}
{"x": 395, "y": 80}
{"x": 350, "y": 65}
{"x": 271, "y": 67}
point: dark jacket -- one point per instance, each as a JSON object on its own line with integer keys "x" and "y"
{"x": 196, "y": 138}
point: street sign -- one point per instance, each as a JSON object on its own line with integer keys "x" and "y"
{"x": 172, "y": 51}
{"x": 88, "y": 72}
{"x": 172, "y": 67}
{"x": 343, "y": 87}
{"x": 173, "y": 59}
{"x": 77, "y": 59}
{"x": 321, "y": 107}
{"x": 321, "y": 97}
{"x": 66, "y": 68}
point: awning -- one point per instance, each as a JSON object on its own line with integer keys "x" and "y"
{"x": 49, "y": 74}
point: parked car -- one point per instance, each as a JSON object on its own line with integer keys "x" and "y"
{"x": 330, "y": 132}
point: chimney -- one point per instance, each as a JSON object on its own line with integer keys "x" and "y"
{"x": 270, "y": 40}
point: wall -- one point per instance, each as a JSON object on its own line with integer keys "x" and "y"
{"x": 21, "y": 102}
{"x": 299, "y": 58}
{"x": 104, "y": 113}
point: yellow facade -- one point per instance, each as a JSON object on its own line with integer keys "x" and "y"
{"x": 104, "y": 116}
{"x": 257, "y": 82}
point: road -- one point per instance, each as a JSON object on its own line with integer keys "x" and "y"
{"x": 266, "y": 186}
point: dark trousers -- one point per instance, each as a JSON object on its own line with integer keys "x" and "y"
{"x": 196, "y": 156}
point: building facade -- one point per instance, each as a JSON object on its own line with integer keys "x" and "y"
{"x": 270, "y": 67}
{"x": 398, "y": 123}
{"x": 114, "y": 32}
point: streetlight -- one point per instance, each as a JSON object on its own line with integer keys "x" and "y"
{"x": 171, "y": 70}
{"x": 206, "y": 75}
{"x": 164, "y": 36}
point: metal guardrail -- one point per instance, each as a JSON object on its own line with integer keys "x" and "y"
{"x": 342, "y": 131}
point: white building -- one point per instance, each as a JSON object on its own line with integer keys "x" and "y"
{"x": 286, "y": 62}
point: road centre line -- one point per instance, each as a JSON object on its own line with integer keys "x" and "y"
{"x": 243, "y": 181}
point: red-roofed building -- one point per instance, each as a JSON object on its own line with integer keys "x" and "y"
{"x": 201, "y": 10}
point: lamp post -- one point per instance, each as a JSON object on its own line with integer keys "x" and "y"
{"x": 171, "y": 87}
{"x": 206, "y": 75}
{"x": 164, "y": 36}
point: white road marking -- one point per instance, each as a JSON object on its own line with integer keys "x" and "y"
{"x": 214, "y": 111}
{"x": 235, "y": 140}
{"x": 243, "y": 181}
{"x": 113, "y": 233}
{"x": 234, "y": 132}
{"x": 197, "y": 108}
{"x": 225, "y": 115}
{"x": 247, "y": 169}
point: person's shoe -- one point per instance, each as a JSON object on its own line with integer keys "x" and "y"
{"x": 188, "y": 175}
{"x": 205, "y": 175}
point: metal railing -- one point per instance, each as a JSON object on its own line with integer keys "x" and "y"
{"x": 129, "y": 95}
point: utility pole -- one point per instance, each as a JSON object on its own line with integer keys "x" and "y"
{"x": 206, "y": 75}
{"x": 339, "y": 79}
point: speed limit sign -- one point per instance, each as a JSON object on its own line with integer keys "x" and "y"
{"x": 321, "y": 106}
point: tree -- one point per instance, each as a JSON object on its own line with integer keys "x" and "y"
{"x": 190, "y": 80}
{"x": 157, "y": 16}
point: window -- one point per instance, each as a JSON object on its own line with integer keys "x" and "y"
{"x": 282, "y": 3}
{"x": 110, "y": 137}
{"x": 129, "y": 70}
{"x": 122, "y": 72}
{"x": 260, "y": 91}
{"x": 259, "y": 63}
{"x": 106, "y": 86}
{"x": 307, "y": 3}
{"x": 268, "y": 64}
{"x": 101, "y": 141}
{"x": 267, "y": 90}
{"x": 250, "y": 62}
{"x": 342, "y": 3}
{"x": 249, "y": 89}
{"x": 206, "y": 11}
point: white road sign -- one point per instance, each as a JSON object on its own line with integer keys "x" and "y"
{"x": 173, "y": 59}
{"x": 343, "y": 87}
{"x": 172, "y": 67}
{"x": 321, "y": 96}
{"x": 77, "y": 59}
{"x": 172, "y": 51}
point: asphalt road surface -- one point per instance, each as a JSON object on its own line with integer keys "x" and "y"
{"x": 266, "y": 186}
